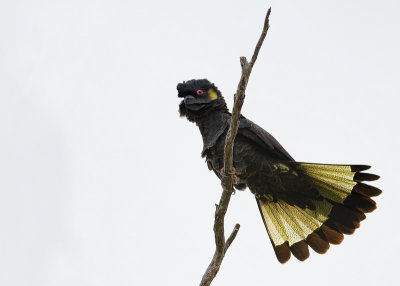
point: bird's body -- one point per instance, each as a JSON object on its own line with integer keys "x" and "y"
{"x": 301, "y": 203}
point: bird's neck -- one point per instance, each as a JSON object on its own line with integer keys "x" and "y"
{"x": 213, "y": 126}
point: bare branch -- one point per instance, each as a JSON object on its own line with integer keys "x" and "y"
{"x": 232, "y": 236}
{"x": 227, "y": 178}
{"x": 244, "y": 63}
{"x": 261, "y": 40}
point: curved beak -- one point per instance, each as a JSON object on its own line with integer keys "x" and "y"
{"x": 194, "y": 103}
{"x": 188, "y": 99}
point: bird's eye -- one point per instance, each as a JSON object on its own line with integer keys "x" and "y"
{"x": 199, "y": 92}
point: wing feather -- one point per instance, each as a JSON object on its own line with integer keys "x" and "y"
{"x": 253, "y": 132}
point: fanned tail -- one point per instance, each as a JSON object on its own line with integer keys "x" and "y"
{"x": 344, "y": 201}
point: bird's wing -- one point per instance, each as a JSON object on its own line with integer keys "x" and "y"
{"x": 261, "y": 137}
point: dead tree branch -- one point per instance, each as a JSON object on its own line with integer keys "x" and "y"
{"x": 228, "y": 179}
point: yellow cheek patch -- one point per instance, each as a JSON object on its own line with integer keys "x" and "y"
{"x": 212, "y": 94}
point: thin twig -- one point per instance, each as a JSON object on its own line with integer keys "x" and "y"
{"x": 227, "y": 180}
{"x": 232, "y": 236}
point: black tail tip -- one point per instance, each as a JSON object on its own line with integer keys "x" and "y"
{"x": 359, "y": 168}
{"x": 359, "y": 177}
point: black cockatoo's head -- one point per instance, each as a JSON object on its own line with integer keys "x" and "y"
{"x": 200, "y": 96}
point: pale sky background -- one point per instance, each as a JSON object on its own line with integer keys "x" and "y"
{"x": 103, "y": 184}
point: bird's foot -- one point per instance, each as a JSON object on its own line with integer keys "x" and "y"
{"x": 233, "y": 173}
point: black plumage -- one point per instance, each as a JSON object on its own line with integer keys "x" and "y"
{"x": 301, "y": 203}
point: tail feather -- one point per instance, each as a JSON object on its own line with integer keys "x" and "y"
{"x": 359, "y": 177}
{"x": 332, "y": 235}
{"x": 300, "y": 250}
{"x": 366, "y": 190}
{"x": 361, "y": 203}
{"x": 318, "y": 242}
{"x": 345, "y": 199}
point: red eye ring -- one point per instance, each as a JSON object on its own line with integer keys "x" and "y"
{"x": 199, "y": 92}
